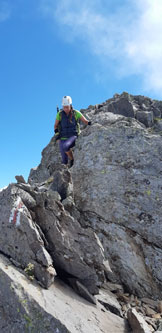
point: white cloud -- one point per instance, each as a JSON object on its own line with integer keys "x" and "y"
{"x": 4, "y": 11}
{"x": 144, "y": 51}
{"x": 130, "y": 34}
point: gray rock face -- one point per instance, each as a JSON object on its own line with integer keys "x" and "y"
{"x": 102, "y": 218}
{"x": 62, "y": 183}
{"x": 26, "y": 307}
{"x": 122, "y": 106}
{"x": 118, "y": 188}
{"x": 74, "y": 250}
{"x": 137, "y": 322}
{"x": 148, "y": 112}
{"x": 141, "y": 108}
{"x": 20, "y": 179}
{"x": 145, "y": 117}
{"x": 19, "y": 236}
{"x": 19, "y": 308}
{"x": 107, "y": 299}
{"x": 51, "y": 161}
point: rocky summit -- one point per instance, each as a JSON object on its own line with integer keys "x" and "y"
{"x": 81, "y": 248}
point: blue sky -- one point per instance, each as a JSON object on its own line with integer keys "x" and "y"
{"x": 88, "y": 49}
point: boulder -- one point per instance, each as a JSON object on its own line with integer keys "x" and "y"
{"x": 20, "y": 179}
{"x": 158, "y": 125}
{"x": 137, "y": 322}
{"x": 123, "y": 107}
{"x": 145, "y": 117}
{"x": 157, "y": 106}
{"x": 107, "y": 299}
{"x": 20, "y": 238}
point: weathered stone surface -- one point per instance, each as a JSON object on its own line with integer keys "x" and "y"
{"x": 107, "y": 298}
{"x": 153, "y": 304}
{"x": 137, "y": 322}
{"x": 26, "y": 307}
{"x": 159, "y": 307}
{"x": 51, "y": 161}
{"x": 118, "y": 189}
{"x": 158, "y": 125}
{"x": 122, "y": 106}
{"x": 160, "y": 326}
{"x": 19, "y": 236}
{"x": 107, "y": 208}
{"x": 81, "y": 290}
{"x": 19, "y": 308}
{"x": 157, "y": 107}
{"x": 113, "y": 287}
{"x": 151, "y": 322}
{"x": 145, "y": 117}
{"x": 20, "y": 179}
{"x": 149, "y": 312}
{"x": 125, "y": 105}
{"x": 62, "y": 183}
{"x": 75, "y": 251}
{"x": 26, "y": 196}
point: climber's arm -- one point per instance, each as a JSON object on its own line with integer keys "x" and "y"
{"x": 84, "y": 120}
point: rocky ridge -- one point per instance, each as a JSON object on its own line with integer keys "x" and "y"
{"x": 96, "y": 226}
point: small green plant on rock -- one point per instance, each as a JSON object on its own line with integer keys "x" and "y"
{"x": 157, "y": 119}
{"x": 29, "y": 270}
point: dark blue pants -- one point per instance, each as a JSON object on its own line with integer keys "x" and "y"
{"x": 65, "y": 146}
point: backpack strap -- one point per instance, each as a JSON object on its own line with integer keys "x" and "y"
{"x": 74, "y": 112}
{"x": 77, "y": 122}
{"x": 60, "y": 112}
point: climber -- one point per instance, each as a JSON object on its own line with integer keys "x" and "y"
{"x": 67, "y": 129}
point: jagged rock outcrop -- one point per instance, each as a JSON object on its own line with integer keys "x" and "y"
{"x": 101, "y": 220}
{"x": 20, "y": 238}
{"x": 37, "y": 229}
{"x": 117, "y": 187}
{"x": 142, "y": 108}
{"x": 74, "y": 250}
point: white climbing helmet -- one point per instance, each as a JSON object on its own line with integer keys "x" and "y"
{"x": 66, "y": 101}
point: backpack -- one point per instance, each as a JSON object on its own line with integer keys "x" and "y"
{"x": 74, "y": 113}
